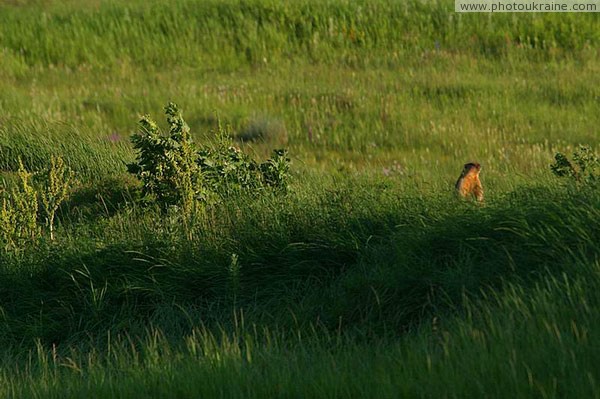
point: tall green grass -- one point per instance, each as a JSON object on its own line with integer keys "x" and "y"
{"x": 230, "y": 33}
{"x": 33, "y": 142}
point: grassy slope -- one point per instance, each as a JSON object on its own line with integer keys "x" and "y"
{"x": 366, "y": 284}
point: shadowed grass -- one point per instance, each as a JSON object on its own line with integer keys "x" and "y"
{"x": 529, "y": 342}
{"x": 342, "y": 258}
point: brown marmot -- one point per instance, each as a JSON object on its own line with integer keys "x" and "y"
{"x": 468, "y": 183}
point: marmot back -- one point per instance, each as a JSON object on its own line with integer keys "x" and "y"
{"x": 468, "y": 183}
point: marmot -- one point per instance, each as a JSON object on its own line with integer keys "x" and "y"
{"x": 468, "y": 183}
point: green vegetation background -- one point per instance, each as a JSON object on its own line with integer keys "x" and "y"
{"x": 368, "y": 279}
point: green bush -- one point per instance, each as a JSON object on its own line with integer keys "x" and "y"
{"x": 19, "y": 214}
{"x": 166, "y": 163}
{"x": 226, "y": 169}
{"x": 584, "y": 169}
{"x": 276, "y": 169}
{"x": 174, "y": 171}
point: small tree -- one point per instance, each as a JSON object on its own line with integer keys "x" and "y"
{"x": 166, "y": 164}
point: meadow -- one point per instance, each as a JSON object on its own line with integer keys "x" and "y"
{"x": 366, "y": 277}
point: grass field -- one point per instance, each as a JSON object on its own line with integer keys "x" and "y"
{"x": 367, "y": 278}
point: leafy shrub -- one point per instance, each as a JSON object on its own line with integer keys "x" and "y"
{"x": 19, "y": 214}
{"x": 9, "y": 233}
{"x": 174, "y": 171}
{"x": 585, "y": 167}
{"x": 276, "y": 169}
{"x": 227, "y": 170}
{"x": 166, "y": 164}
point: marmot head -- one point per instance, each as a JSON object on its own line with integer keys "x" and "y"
{"x": 472, "y": 167}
